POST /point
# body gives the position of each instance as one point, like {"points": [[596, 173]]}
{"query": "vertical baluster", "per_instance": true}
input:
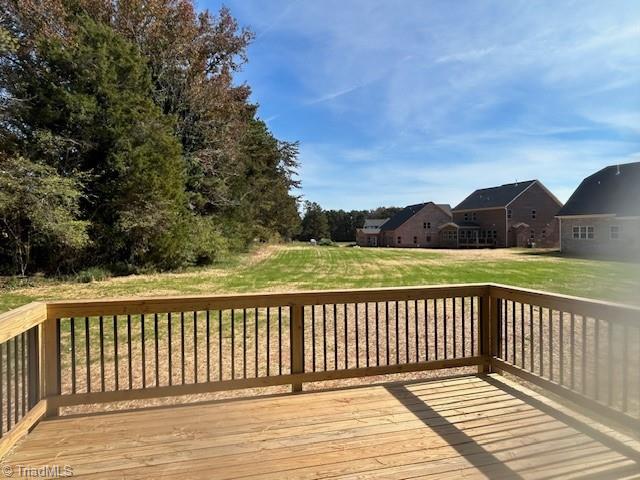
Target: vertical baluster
{"points": [[406, 332], [596, 354], [357, 336], [256, 343], [426, 330], [498, 340], [143, 345], [366, 330], [313, 337], [208, 343], [444, 327], [572, 333], [182, 356], [346, 336], [522, 335], [156, 348], [268, 340], [16, 381], [324, 335], [129, 357], [279, 340], [435, 327], [583, 358], [23, 372], [397, 334], [415, 315], [561, 346], [609, 362], [625, 367], [454, 333], [8, 344], [244, 343], [233, 344], [464, 330], [550, 343], [386, 317], [72, 331], [531, 366], [514, 358], [87, 353], [505, 313], [220, 342], [170, 348], [541, 341], [335, 336], [472, 321], [195, 347], [102, 379], [377, 336]]}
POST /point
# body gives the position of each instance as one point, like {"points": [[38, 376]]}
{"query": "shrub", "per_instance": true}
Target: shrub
{"points": [[92, 274], [326, 242]]}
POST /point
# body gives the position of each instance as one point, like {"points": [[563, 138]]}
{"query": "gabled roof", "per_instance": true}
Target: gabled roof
{"points": [[372, 225], [407, 212], [612, 190], [494, 197]]}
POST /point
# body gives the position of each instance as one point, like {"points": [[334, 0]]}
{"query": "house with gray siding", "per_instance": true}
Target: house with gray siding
{"points": [[602, 217]]}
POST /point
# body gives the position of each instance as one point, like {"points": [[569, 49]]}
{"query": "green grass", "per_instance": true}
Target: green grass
{"points": [[301, 267]]}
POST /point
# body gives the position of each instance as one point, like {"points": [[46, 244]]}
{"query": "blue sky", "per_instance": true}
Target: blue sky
{"points": [[399, 102]]}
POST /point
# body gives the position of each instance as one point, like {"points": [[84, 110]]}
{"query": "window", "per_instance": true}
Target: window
{"points": [[509, 213], [450, 235], [399, 240], [473, 216], [532, 235], [415, 240], [614, 232], [544, 234], [466, 217], [424, 225], [428, 224], [533, 214], [583, 233]]}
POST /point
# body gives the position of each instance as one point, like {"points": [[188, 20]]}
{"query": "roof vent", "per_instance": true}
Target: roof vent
{"points": [[618, 169]]}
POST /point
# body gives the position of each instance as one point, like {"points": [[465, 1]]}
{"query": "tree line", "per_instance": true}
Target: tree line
{"points": [[337, 225], [126, 143]]}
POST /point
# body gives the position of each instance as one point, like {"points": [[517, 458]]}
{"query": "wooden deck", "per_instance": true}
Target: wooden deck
{"points": [[470, 427]]}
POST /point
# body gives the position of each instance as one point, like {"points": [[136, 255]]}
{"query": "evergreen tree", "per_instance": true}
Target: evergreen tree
{"points": [[314, 223]]}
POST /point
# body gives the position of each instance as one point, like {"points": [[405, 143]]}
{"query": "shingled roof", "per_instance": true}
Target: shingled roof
{"points": [[494, 197], [407, 212], [612, 190]]}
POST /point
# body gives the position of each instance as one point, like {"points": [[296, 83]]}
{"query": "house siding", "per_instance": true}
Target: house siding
{"points": [[414, 227], [627, 246], [546, 207]]}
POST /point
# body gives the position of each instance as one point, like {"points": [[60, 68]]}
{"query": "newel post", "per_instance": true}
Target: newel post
{"points": [[297, 343], [49, 375], [488, 331]]}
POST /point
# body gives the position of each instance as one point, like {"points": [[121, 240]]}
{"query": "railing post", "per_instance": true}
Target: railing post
{"points": [[297, 343], [488, 330], [49, 364]]}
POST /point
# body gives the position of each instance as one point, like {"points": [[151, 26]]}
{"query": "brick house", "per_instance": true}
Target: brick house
{"points": [[369, 234], [512, 215], [415, 226], [602, 217]]}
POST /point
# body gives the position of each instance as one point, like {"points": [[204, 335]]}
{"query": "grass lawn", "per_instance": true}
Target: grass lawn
{"points": [[301, 267]]}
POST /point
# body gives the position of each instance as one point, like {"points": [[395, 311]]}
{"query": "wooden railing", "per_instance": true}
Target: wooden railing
{"points": [[71, 353]]}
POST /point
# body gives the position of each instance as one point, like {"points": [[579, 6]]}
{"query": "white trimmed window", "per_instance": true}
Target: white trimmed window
{"points": [[614, 232], [583, 233], [466, 217], [473, 216], [399, 240], [509, 213]]}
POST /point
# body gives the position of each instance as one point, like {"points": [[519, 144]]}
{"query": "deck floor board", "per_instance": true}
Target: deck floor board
{"points": [[469, 427]]}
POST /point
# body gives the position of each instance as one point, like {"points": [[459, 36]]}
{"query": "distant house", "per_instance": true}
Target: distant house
{"points": [[369, 234], [512, 215], [415, 226], [602, 217]]}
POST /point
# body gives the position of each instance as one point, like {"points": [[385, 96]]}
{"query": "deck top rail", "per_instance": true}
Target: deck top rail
{"points": [[74, 352]]}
